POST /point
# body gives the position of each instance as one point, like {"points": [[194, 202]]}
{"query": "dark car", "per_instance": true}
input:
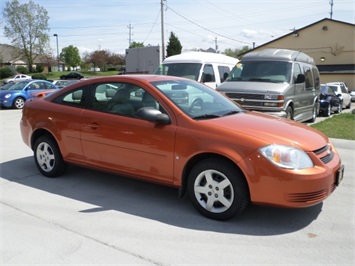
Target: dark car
{"points": [[72, 75], [329, 101]]}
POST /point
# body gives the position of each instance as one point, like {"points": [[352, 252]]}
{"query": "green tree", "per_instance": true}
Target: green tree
{"points": [[26, 25], [236, 52], [174, 46], [136, 45], [70, 55]]}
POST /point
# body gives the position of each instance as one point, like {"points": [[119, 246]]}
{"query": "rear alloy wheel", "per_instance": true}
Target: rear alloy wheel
{"points": [[48, 158], [19, 103], [328, 111], [340, 108], [217, 189]]}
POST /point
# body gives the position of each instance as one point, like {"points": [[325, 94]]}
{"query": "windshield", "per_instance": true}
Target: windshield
{"points": [[196, 100], [7, 86], [18, 86], [262, 71], [185, 70]]}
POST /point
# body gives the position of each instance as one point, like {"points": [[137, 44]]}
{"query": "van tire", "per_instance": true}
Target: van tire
{"points": [[289, 113]]}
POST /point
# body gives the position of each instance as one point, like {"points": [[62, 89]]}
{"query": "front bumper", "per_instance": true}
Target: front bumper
{"points": [[276, 186]]}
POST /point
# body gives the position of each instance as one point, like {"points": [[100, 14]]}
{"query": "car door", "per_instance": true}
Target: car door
{"points": [[306, 96], [126, 144]]}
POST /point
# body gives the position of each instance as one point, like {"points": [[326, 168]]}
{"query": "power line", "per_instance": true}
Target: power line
{"points": [[206, 28]]}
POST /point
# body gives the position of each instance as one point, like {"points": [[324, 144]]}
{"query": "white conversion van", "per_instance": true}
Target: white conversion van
{"points": [[280, 82], [209, 68]]}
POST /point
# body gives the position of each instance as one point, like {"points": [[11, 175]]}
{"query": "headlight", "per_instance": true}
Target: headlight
{"points": [[7, 96], [287, 156]]}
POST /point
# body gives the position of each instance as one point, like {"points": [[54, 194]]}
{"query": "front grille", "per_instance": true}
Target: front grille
{"points": [[247, 96], [326, 159], [325, 154], [307, 197]]}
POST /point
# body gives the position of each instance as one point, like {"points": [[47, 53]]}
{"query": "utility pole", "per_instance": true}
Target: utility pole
{"points": [[129, 34], [216, 45], [331, 8], [162, 31]]}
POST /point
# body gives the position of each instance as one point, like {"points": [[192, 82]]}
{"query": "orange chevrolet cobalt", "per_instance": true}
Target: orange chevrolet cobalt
{"points": [[180, 133]]}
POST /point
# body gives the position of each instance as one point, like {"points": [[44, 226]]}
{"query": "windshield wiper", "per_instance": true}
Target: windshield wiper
{"points": [[231, 113], [259, 79], [206, 116]]}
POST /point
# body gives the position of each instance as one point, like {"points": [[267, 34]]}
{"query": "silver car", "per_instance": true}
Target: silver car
{"points": [[341, 89], [352, 94]]}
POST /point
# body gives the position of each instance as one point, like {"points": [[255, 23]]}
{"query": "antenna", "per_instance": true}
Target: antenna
{"points": [[331, 9], [130, 34]]}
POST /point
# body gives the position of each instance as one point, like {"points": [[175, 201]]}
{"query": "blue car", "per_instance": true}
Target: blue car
{"points": [[14, 95]]}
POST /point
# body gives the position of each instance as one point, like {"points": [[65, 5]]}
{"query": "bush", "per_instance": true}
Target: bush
{"points": [[39, 68], [39, 76], [22, 70], [5, 72]]}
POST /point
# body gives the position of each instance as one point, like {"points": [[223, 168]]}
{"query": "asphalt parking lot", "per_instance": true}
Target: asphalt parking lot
{"points": [[92, 218]]}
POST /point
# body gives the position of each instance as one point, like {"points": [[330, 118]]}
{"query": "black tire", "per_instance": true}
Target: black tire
{"points": [[48, 158], [18, 103], [349, 105], [289, 113], [217, 189], [314, 114]]}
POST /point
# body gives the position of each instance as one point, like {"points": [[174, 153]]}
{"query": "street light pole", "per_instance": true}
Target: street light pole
{"points": [[56, 36]]}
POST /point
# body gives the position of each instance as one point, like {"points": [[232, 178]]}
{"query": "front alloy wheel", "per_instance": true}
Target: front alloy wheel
{"points": [[19, 103], [217, 189], [48, 158]]}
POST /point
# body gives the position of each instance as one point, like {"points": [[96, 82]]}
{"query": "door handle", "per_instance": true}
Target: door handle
{"points": [[92, 125]]}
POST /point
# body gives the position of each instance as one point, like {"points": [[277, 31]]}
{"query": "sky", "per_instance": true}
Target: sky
{"points": [[198, 24]]}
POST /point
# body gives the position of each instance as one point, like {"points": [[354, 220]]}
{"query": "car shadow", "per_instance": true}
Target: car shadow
{"points": [[155, 202]]}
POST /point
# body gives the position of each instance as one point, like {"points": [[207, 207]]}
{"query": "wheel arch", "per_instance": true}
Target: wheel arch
{"points": [[200, 157], [41, 132]]}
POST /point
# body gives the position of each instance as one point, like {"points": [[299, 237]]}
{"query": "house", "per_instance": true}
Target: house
{"points": [[12, 57], [331, 43]]}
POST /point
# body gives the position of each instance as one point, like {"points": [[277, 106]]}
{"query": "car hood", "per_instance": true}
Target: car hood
{"points": [[251, 86], [2, 93], [269, 129]]}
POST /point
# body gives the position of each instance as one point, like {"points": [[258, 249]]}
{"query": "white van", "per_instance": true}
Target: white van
{"points": [[280, 82], [209, 68]]}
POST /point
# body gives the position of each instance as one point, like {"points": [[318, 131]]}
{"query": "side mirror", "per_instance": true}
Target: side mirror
{"points": [[153, 115], [300, 78]]}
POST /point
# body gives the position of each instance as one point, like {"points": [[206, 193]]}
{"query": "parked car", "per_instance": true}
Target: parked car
{"points": [[72, 75], [352, 94], [279, 82], [14, 95], [341, 89], [17, 78], [329, 101], [219, 154]]}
